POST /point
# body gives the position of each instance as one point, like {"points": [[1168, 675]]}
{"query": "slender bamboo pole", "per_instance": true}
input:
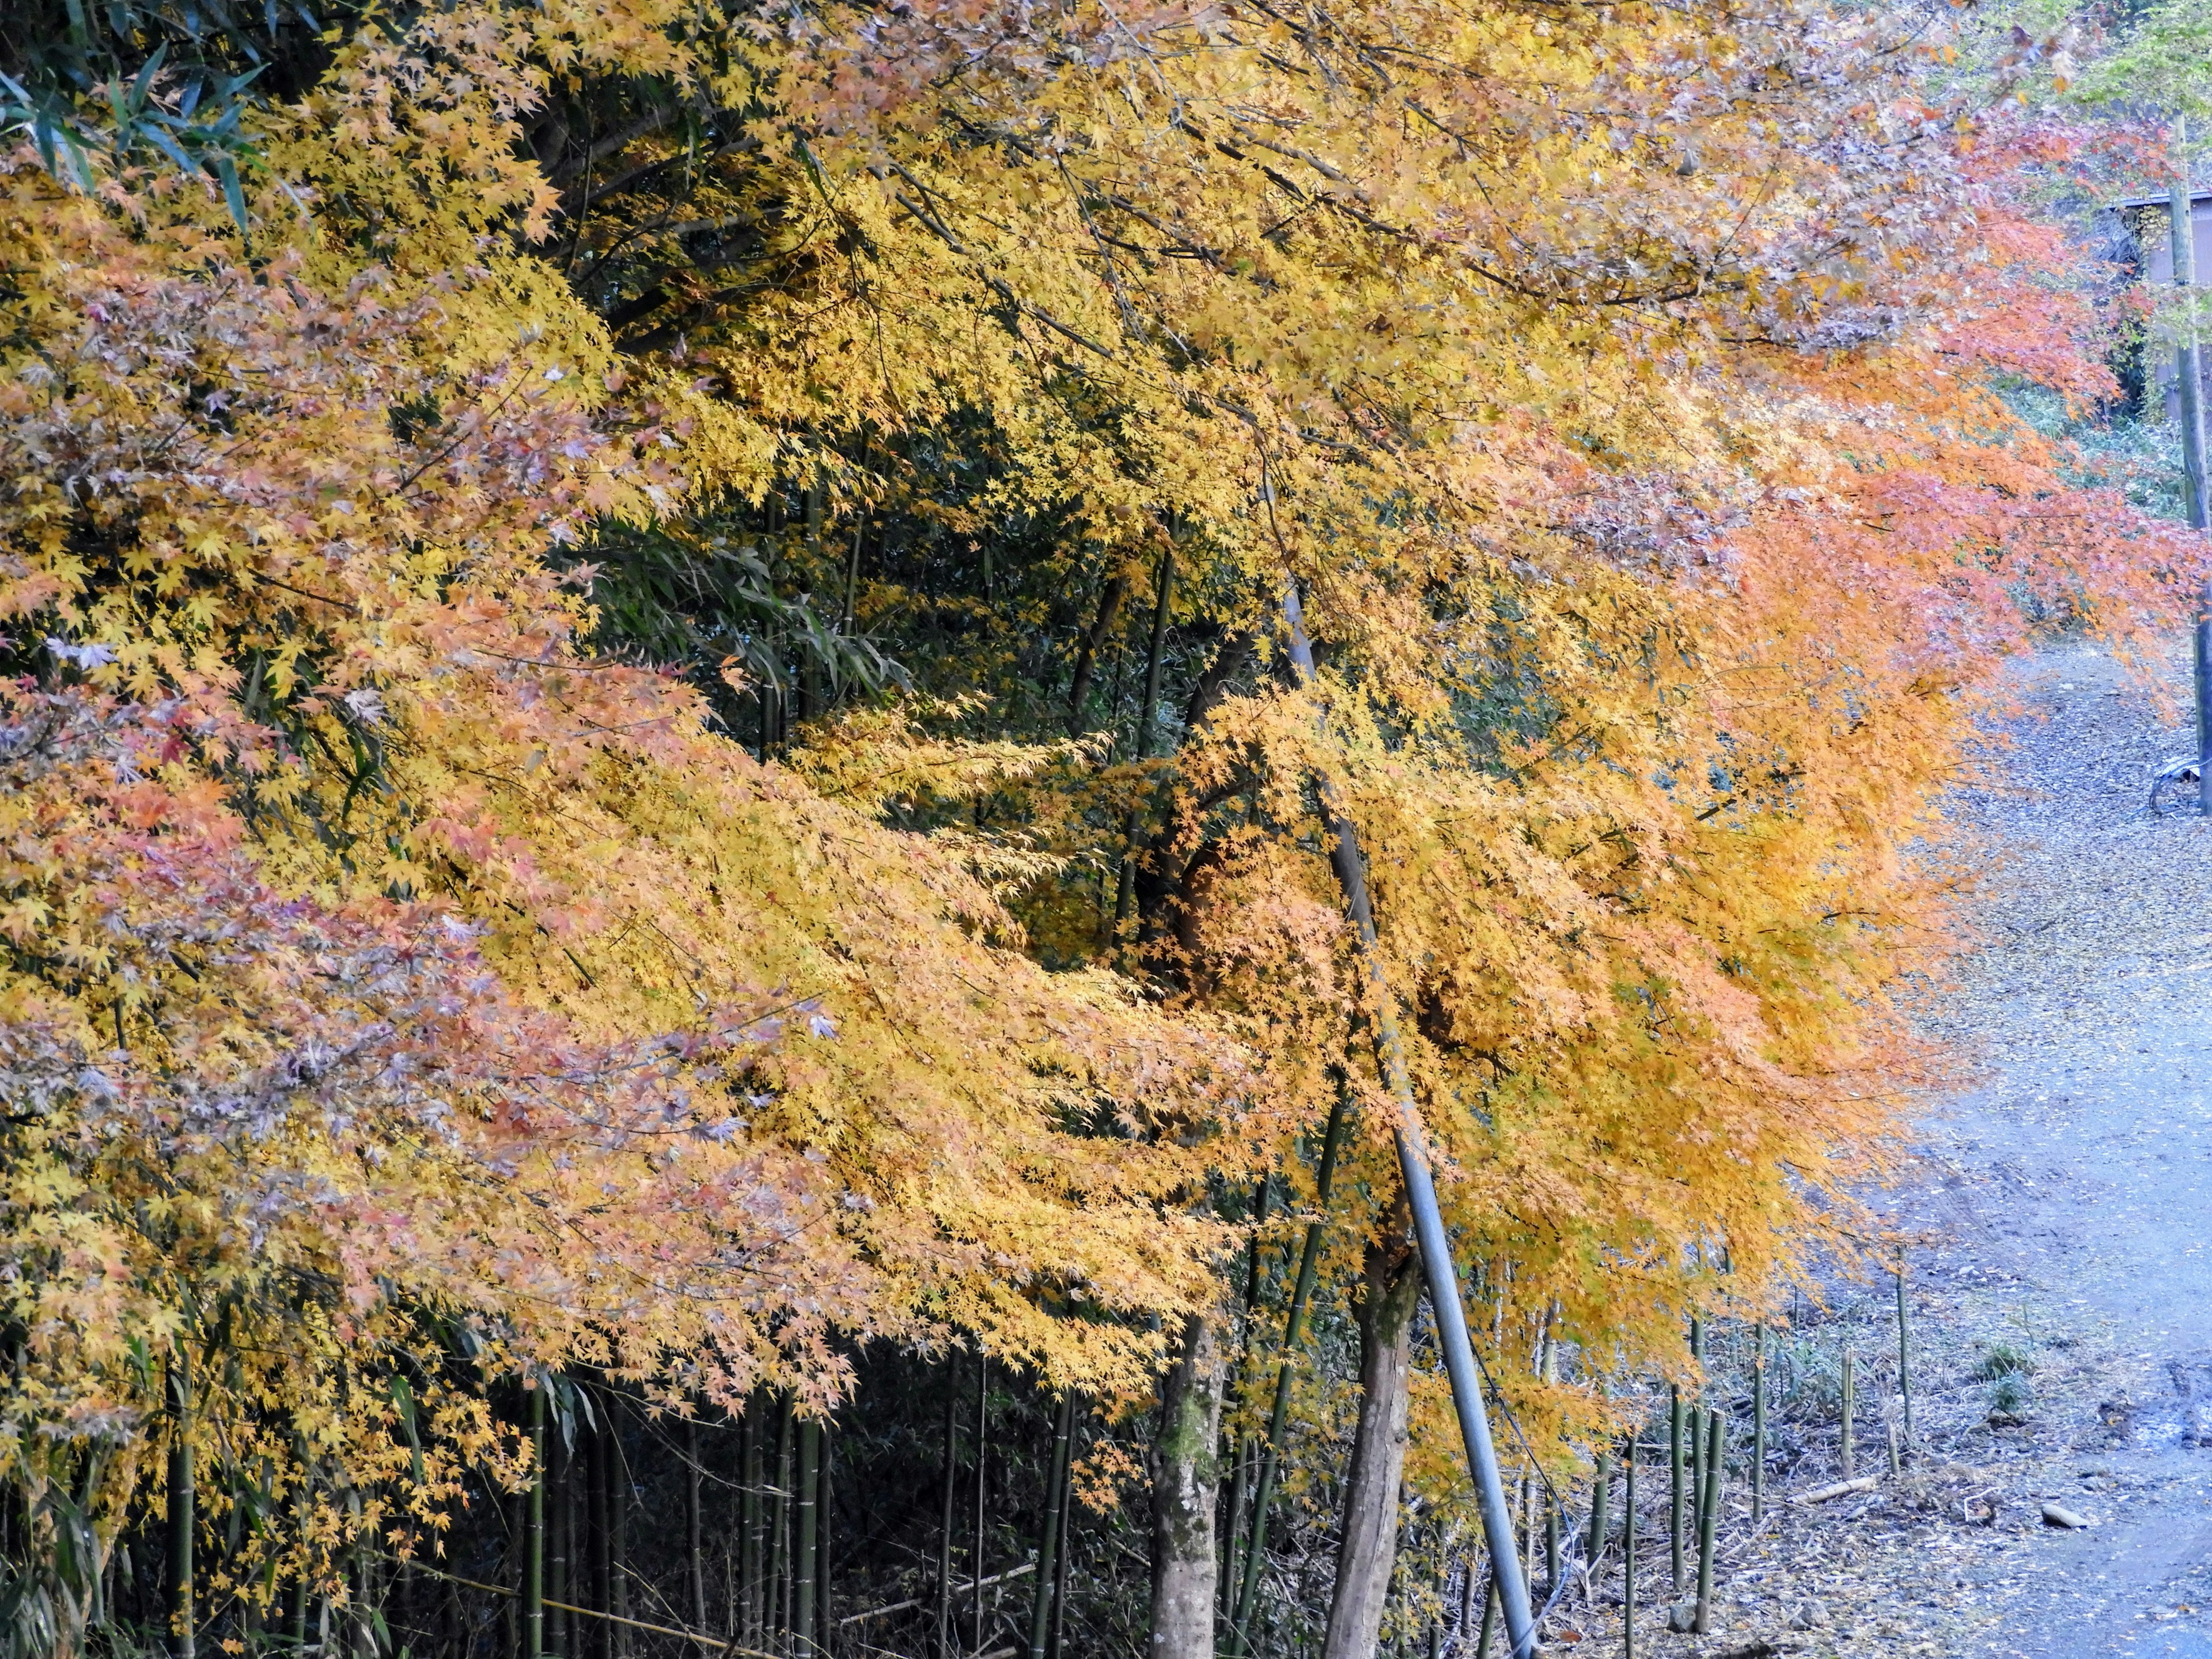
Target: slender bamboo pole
{"points": [[749, 1513], [1903, 1351], [1063, 1429], [1697, 1440], [825, 1514], [1850, 1411], [945, 1530], [1709, 1515], [184, 1508], [802, 1575], [1628, 1522], [1758, 1422], [1060, 1574], [1600, 1500], [695, 1525], [621, 1490], [533, 1549], [1489, 1620], [1675, 1480], [1232, 1529], [1445, 1304], [566, 1578], [779, 1541], [982, 1407], [1255, 1552]]}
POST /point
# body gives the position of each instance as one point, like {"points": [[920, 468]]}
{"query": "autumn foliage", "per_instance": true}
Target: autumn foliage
{"points": [[423, 980]]}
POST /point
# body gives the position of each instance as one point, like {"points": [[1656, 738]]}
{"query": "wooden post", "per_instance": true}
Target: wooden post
{"points": [[2181, 231]]}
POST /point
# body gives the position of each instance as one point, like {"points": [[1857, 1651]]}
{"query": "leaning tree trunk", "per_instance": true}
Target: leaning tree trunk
{"points": [[1187, 1471], [1393, 1294]]}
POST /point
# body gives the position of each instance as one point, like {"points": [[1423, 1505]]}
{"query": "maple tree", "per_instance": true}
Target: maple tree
{"points": [[454, 550]]}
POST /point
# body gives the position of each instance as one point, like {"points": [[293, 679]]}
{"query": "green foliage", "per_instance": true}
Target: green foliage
{"points": [[2002, 1359]]}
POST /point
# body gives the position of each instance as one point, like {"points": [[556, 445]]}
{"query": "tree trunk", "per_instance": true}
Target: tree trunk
{"points": [[1186, 1469], [1393, 1294], [1109, 609]]}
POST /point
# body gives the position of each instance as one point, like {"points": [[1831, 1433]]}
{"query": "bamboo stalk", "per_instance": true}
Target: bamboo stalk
{"points": [[805, 1567], [824, 1514], [982, 1407], [184, 1508], [1059, 1566], [1232, 1529], [1758, 1423], [533, 1549], [693, 1521], [1675, 1480], [563, 1571], [1904, 1349], [1048, 1543], [779, 1537], [1697, 1440], [1849, 1403], [1709, 1513], [1601, 1497], [944, 1532], [749, 1512], [596, 1564], [1628, 1558], [1489, 1620], [1255, 1552], [620, 1491]]}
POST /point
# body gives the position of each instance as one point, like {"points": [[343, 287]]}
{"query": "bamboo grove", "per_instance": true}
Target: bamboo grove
{"points": [[669, 946]]}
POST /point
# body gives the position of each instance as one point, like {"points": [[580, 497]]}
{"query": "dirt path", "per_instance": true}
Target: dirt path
{"points": [[2066, 1206], [2076, 1184]]}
